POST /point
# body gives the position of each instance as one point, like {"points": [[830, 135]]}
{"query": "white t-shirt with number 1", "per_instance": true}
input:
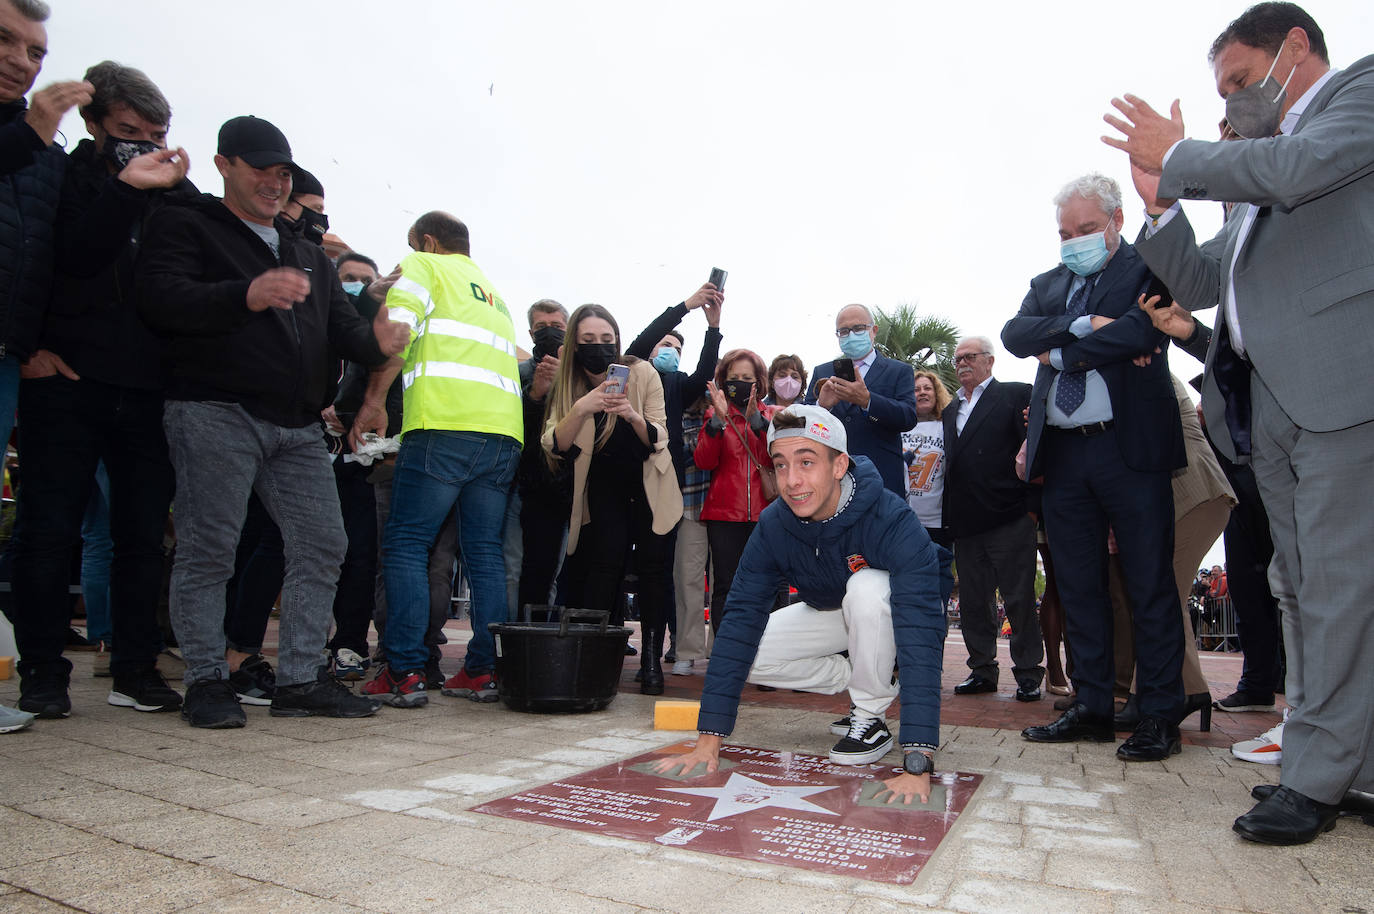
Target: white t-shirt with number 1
{"points": [[923, 449]]}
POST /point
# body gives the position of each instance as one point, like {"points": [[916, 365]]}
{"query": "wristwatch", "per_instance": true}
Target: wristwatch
{"points": [[917, 762]]}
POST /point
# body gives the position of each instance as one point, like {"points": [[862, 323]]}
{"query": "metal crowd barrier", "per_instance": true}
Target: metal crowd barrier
{"points": [[1214, 622]]}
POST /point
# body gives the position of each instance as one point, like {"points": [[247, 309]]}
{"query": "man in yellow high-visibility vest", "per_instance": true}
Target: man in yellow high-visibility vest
{"points": [[460, 444]]}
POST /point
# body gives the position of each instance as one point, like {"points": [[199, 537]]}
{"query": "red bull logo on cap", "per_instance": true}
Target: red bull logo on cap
{"points": [[820, 430]]}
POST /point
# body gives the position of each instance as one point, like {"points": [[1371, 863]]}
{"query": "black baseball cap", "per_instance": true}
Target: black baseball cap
{"points": [[303, 182], [256, 141]]}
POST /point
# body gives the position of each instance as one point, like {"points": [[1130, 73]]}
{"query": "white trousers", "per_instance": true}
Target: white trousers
{"points": [[800, 648]]}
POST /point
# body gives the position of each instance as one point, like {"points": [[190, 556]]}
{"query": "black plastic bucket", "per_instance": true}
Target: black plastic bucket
{"points": [[559, 665]]}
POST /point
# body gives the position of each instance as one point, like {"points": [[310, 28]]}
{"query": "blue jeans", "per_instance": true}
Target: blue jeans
{"points": [[436, 470], [9, 396], [97, 554]]}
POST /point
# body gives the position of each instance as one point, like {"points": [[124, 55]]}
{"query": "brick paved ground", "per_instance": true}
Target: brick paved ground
{"points": [[117, 811]]}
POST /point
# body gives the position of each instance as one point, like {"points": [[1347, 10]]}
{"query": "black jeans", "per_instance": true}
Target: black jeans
{"points": [[544, 531], [69, 426], [596, 572], [355, 599], [726, 539]]}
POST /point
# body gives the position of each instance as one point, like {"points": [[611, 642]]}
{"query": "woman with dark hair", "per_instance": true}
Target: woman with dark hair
{"points": [[733, 448], [786, 381], [624, 487]]}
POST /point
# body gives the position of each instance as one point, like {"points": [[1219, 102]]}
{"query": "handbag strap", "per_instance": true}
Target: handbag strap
{"points": [[747, 450]]}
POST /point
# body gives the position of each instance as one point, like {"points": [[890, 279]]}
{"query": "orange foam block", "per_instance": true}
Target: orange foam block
{"points": [[6, 667], [676, 714]]}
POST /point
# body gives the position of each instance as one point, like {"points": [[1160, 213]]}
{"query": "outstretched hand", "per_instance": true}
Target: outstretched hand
{"points": [[1149, 134], [161, 169], [906, 786], [706, 750]]}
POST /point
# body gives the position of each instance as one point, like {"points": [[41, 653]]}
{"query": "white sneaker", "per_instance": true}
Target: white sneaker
{"points": [[682, 668], [1265, 749], [12, 719]]}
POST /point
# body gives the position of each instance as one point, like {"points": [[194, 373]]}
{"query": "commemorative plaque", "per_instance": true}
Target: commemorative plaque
{"points": [[775, 807]]}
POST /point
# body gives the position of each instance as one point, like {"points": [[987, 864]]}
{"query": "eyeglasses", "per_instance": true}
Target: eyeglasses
{"points": [[843, 332], [969, 357]]}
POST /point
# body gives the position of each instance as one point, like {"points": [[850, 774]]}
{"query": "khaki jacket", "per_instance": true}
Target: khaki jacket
{"points": [[645, 392], [1202, 480]]}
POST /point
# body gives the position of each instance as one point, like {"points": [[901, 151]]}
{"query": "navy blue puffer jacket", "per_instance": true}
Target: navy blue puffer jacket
{"points": [[877, 529], [30, 187]]}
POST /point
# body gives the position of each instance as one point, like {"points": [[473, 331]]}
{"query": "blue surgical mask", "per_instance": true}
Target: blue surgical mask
{"points": [[354, 287], [666, 359], [856, 345], [1086, 254]]}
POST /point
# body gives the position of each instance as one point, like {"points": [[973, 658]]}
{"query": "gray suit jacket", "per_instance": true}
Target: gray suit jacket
{"points": [[1305, 277]]}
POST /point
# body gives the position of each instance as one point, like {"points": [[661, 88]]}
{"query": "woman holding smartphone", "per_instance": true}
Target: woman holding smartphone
{"points": [[609, 433], [733, 448]]}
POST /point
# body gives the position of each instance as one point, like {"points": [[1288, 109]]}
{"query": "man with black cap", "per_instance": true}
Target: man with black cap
{"points": [[255, 320], [304, 211]]}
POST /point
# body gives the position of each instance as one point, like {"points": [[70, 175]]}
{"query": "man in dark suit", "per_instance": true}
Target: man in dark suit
{"points": [[878, 405], [1105, 433], [985, 509]]}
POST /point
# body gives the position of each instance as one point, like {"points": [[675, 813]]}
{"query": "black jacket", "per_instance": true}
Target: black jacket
{"points": [[982, 491], [30, 186], [680, 389], [192, 286], [91, 322]]}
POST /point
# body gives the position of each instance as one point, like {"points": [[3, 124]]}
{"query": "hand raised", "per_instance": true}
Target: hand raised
{"points": [[392, 336], [279, 287], [164, 168], [1175, 320], [718, 401], [544, 374], [49, 104], [1149, 134], [706, 295], [377, 289]]}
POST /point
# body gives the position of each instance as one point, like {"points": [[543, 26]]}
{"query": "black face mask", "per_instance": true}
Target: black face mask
{"points": [[311, 225], [546, 341], [122, 152], [737, 393], [595, 358]]}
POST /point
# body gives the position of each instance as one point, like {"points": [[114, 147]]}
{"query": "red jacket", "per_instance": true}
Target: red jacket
{"points": [[736, 493]]}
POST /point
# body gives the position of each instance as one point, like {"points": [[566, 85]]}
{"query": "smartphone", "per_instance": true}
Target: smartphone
{"points": [[843, 369], [718, 278], [619, 376]]}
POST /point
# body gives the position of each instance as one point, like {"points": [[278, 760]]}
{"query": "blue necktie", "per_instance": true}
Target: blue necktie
{"points": [[1073, 385]]}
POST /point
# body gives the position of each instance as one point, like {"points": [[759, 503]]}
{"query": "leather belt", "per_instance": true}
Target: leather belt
{"points": [[1087, 431]]}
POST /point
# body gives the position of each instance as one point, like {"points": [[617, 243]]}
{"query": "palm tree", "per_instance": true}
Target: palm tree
{"points": [[924, 343]]}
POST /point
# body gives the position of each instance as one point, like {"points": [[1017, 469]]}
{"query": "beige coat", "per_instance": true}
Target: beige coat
{"points": [[1202, 480], [645, 392]]}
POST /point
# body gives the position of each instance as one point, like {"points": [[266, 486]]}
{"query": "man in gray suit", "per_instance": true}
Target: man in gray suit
{"points": [[1289, 374]]}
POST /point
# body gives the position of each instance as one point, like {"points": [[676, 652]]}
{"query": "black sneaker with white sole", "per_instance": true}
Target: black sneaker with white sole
{"points": [[144, 691], [841, 727], [865, 743], [254, 682]]}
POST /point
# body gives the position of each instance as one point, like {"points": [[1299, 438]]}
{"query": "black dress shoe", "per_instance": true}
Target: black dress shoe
{"points": [[1154, 740], [1027, 693], [1286, 817], [975, 684], [1128, 718], [1354, 803], [1076, 724]]}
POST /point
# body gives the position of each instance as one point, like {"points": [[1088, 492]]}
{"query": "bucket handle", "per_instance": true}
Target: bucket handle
{"points": [[597, 615]]}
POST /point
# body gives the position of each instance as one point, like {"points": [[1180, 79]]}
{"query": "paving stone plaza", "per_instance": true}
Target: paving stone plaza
{"points": [[116, 811]]}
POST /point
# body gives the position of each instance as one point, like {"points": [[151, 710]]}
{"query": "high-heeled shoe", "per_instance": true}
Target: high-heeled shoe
{"points": [[1202, 701]]}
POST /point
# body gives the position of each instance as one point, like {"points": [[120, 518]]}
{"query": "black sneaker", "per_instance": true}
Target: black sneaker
{"points": [[45, 697], [1244, 701], [144, 691], [841, 727], [325, 697], [866, 742], [254, 682], [212, 704]]}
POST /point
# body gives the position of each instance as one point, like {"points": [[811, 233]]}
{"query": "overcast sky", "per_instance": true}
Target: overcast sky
{"points": [[822, 153]]}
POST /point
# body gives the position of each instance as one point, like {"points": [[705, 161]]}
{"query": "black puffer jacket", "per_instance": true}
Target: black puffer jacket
{"points": [[30, 186], [92, 323], [192, 282]]}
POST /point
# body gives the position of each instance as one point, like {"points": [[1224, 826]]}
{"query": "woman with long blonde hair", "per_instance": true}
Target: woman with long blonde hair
{"points": [[624, 488]]}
